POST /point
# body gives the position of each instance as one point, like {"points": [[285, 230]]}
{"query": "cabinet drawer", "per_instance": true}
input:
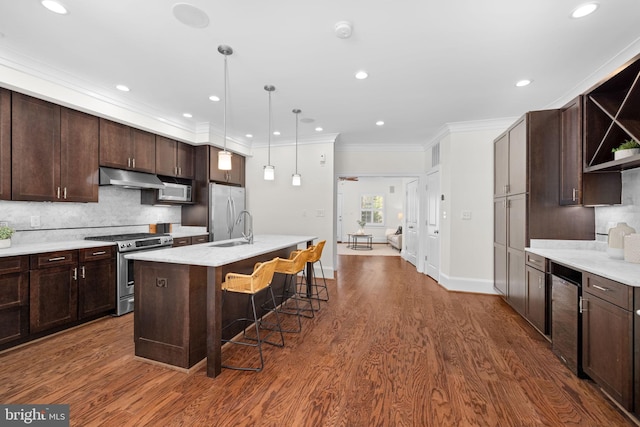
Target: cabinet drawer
{"points": [[95, 254], [608, 290], [181, 241], [200, 239], [51, 259], [536, 261], [14, 264]]}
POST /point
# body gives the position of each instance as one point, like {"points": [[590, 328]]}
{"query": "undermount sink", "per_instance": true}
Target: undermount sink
{"points": [[230, 244]]}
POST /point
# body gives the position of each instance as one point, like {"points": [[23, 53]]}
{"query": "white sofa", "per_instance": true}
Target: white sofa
{"points": [[395, 240]]}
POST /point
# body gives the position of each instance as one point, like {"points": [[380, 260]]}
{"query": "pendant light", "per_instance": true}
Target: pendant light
{"points": [[269, 170], [224, 156], [296, 179]]}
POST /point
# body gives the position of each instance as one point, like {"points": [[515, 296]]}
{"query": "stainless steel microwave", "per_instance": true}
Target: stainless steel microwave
{"points": [[175, 192]]}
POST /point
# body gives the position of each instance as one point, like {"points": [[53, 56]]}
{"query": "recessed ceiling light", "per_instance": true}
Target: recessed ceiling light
{"points": [[187, 115], [584, 10], [361, 75], [379, 123], [276, 133], [214, 98], [523, 83], [190, 15], [123, 88], [54, 7], [319, 129], [249, 135]]}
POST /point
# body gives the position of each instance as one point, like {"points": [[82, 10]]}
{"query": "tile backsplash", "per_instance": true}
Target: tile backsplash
{"points": [[628, 211], [118, 210]]}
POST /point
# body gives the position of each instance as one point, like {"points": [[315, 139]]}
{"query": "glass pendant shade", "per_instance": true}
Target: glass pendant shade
{"points": [[224, 160], [269, 173], [296, 180]]}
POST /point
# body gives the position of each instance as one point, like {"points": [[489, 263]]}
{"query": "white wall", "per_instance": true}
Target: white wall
{"points": [[628, 211], [280, 208], [466, 165]]}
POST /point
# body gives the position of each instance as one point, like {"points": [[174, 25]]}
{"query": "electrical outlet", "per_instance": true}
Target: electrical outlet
{"points": [[4, 223], [35, 221], [466, 215]]}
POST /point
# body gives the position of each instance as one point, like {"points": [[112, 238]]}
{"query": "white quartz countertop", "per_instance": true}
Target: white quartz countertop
{"points": [[594, 261], [211, 255], [38, 248]]}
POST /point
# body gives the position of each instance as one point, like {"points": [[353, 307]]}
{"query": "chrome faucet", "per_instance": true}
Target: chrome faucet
{"points": [[248, 237]]}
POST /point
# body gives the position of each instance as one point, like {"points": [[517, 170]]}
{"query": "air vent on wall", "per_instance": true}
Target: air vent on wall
{"points": [[435, 155]]}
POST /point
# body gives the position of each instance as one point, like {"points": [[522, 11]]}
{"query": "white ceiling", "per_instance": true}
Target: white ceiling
{"points": [[429, 63]]}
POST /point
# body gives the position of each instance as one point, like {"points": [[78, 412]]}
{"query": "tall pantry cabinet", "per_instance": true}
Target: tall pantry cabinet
{"points": [[527, 201]]}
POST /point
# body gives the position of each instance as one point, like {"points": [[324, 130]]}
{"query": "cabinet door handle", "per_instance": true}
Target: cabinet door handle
{"points": [[82, 272], [582, 305], [128, 162], [133, 163], [98, 253], [64, 193], [58, 193], [574, 196], [59, 258], [75, 273], [539, 282], [600, 288], [179, 171]]}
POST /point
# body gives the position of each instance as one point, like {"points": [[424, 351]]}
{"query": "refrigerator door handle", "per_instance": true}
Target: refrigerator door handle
{"points": [[229, 214]]}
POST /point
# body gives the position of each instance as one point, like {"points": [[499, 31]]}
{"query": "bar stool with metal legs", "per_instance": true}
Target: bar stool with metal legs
{"points": [[251, 284], [292, 267], [315, 257]]}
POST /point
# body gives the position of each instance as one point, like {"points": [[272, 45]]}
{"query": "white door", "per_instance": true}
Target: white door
{"points": [[339, 223], [410, 234], [433, 221]]}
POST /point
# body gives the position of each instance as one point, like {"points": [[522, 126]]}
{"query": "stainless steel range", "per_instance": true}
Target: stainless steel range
{"points": [[124, 277]]}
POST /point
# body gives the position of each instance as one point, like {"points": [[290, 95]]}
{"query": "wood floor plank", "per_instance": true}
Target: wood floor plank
{"points": [[390, 348]]}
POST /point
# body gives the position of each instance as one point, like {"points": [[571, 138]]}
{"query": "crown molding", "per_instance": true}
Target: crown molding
{"points": [[471, 126], [324, 138]]}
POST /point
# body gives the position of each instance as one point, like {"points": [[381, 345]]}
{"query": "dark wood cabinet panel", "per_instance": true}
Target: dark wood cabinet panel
{"points": [[518, 157], [97, 281], [174, 158], [501, 165], [123, 147], [5, 144], [517, 221], [607, 347], [14, 298], [500, 268], [143, 151], [79, 140], [53, 297], [516, 286], [115, 145], [576, 187], [536, 290], [199, 239], [35, 149], [181, 241]]}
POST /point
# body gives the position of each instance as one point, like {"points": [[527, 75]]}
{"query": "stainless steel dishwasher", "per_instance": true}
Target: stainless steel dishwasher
{"points": [[566, 320]]}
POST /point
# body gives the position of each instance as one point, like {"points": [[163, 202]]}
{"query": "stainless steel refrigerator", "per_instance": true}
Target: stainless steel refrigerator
{"points": [[226, 204]]}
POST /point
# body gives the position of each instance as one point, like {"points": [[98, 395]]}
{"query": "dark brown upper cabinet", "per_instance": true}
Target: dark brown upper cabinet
{"points": [[54, 152], [5, 144], [235, 176], [576, 187], [174, 158], [124, 147]]}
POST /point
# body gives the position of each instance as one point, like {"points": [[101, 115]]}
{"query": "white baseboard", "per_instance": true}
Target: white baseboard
{"points": [[463, 284]]}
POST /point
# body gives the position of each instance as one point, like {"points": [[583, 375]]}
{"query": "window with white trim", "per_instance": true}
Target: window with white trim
{"points": [[372, 209]]}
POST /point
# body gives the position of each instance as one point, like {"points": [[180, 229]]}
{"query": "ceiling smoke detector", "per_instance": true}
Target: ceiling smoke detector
{"points": [[343, 29]]}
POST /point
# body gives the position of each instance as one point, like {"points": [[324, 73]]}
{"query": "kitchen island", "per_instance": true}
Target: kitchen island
{"points": [[177, 316]]}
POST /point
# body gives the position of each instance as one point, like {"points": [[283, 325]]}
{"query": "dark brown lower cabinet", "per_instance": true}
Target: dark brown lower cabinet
{"points": [[607, 337], [96, 282], [14, 298], [536, 305], [53, 290]]}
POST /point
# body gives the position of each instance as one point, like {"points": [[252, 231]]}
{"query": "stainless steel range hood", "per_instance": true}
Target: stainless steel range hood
{"points": [[129, 179]]}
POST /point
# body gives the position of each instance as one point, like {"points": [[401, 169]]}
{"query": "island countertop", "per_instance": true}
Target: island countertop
{"points": [[211, 254]]}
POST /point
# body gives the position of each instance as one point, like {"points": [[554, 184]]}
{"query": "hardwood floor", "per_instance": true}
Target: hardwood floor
{"points": [[391, 348]]}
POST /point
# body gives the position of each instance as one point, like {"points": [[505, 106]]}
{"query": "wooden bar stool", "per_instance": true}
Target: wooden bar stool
{"points": [[251, 284], [292, 267], [315, 257]]}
